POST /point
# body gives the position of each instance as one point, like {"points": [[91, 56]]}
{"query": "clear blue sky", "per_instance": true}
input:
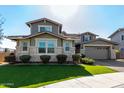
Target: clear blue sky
{"points": [[101, 20]]}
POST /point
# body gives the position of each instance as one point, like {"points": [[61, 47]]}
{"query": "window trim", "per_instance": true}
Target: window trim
{"points": [[70, 45], [40, 47], [44, 26], [46, 40], [22, 45], [86, 38], [122, 36]]}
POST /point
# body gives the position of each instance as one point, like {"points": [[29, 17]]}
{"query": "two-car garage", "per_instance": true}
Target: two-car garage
{"points": [[100, 49], [97, 52]]}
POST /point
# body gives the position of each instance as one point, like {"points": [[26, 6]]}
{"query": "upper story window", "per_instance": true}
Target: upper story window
{"points": [[46, 28], [86, 38], [122, 37]]}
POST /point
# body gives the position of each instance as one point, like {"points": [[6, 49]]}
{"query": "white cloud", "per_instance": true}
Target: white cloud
{"points": [[6, 43]]}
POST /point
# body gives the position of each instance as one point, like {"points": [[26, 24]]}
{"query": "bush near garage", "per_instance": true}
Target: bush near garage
{"points": [[76, 58], [87, 60]]}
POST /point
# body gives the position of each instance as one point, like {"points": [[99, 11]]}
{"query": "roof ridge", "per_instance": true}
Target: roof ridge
{"points": [[37, 20]]}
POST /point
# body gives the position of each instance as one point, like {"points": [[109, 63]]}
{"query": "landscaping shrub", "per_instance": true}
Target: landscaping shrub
{"points": [[45, 58], [83, 56], [10, 58], [87, 60], [61, 58], [25, 58], [117, 52], [76, 58], [12, 54]]}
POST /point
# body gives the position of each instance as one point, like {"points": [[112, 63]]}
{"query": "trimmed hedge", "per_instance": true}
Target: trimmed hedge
{"points": [[87, 60], [76, 58], [45, 58], [61, 58], [10, 58], [25, 58], [83, 56]]}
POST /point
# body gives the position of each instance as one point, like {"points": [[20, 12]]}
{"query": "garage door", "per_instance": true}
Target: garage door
{"points": [[97, 52]]}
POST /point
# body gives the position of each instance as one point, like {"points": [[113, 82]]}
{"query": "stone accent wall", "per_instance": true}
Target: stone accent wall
{"points": [[35, 57]]}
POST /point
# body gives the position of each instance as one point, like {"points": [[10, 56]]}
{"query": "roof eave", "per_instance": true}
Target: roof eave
{"points": [[115, 43], [30, 22], [14, 38], [90, 33]]}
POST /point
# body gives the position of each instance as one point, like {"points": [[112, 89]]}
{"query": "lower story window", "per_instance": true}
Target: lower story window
{"points": [[42, 47], [42, 50], [50, 45], [47, 46], [67, 46], [25, 46], [50, 50]]}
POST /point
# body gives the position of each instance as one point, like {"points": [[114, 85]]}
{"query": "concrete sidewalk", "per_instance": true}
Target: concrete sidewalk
{"points": [[3, 63], [111, 80]]}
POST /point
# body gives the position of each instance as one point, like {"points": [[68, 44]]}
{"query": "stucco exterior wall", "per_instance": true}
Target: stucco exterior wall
{"points": [[35, 56], [59, 40], [117, 38]]}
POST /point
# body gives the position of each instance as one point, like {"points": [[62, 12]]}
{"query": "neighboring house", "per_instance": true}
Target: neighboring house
{"points": [[46, 38], [118, 36]]}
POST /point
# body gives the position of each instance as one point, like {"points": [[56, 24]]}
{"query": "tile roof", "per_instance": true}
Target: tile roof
{"points": [[102, 39]]}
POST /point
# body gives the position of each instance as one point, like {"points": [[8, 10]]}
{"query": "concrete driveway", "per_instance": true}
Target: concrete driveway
{"points": [[116, 65], [111, 80]]}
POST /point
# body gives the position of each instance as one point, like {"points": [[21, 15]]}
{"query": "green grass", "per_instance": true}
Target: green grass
{"points": [[38, 75]]}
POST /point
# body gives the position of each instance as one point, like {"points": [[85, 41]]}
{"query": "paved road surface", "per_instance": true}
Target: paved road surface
{"points": [[111, 80]]}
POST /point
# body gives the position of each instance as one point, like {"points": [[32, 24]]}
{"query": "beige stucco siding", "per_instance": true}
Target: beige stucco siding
{"points": [[117, 38], [48, 36]]}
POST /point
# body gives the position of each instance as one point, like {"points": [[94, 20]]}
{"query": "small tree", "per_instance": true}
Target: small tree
{"points": [[2, 20]]}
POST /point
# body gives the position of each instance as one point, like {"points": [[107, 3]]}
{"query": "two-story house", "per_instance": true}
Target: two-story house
{"points": [[118, 36], [46, 38]]}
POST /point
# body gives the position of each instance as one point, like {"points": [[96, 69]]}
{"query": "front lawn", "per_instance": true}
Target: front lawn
{"points": [[39, 75]]}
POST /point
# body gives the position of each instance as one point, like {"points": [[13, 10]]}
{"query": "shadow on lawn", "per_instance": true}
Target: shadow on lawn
{"points": [[38, 75]]}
